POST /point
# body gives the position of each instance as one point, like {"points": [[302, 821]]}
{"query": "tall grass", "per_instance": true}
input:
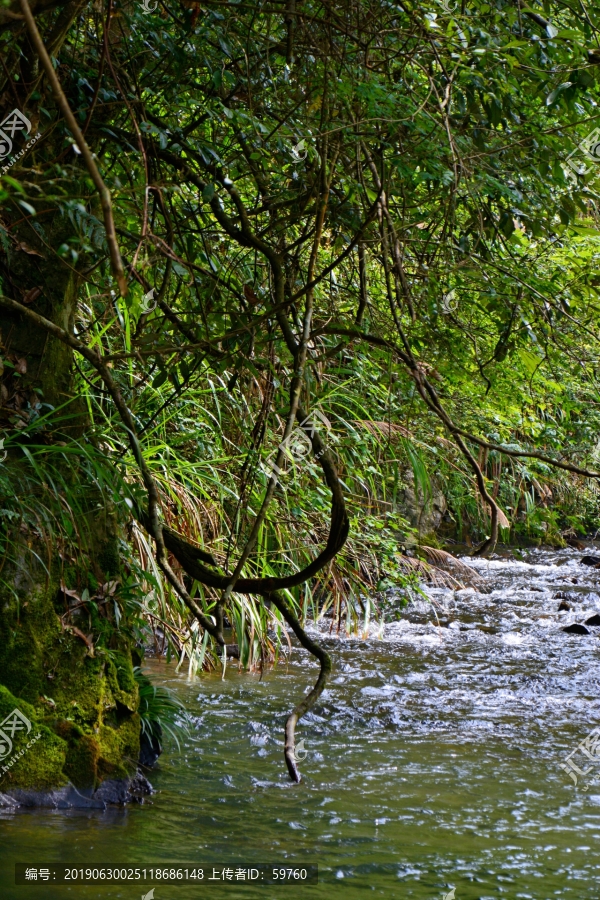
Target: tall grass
{"points": [[198, 440]]}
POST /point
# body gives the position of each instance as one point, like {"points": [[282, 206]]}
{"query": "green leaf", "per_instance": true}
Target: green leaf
{"points": [[160, 379], [14, 183], [27, 206], [553, 97], [530, 361]]}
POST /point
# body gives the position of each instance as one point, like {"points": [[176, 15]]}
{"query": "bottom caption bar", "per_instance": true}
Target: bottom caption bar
{"points": [[165, 874]]}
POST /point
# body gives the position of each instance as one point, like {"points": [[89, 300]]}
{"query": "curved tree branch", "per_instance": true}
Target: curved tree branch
{"points": [[430, 398], [152, 518], [310, 699], [189, 557]]}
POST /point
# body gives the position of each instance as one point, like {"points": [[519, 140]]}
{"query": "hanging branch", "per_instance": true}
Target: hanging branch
{"points": [[152, 519], [105, 198], [430, 397], [310, 699], [132, 116], [192, 558], [300, 350]]}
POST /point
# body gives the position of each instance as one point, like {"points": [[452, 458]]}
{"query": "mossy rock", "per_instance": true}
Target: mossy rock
{"points": [[37, 756], [79, 694], [83, 703], [120, 749], [119, 671]]}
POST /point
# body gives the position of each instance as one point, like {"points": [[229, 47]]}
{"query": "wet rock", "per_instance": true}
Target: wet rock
{"points": [[565, 595], [120, 792], [233, 651], [593, 620], [564, 605], [61, 798], [423, 513], [110, 793], [590, 561], [139, 788], [150, 746], [576, 628]]}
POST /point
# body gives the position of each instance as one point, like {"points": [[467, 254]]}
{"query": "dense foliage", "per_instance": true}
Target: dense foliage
{"points": [[365, 213]]}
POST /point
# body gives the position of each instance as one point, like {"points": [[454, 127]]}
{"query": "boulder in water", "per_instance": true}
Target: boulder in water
{"points": [[109, 793], [566, 595], [590, 561], [593, 620], [576, 628], [564, 605]]}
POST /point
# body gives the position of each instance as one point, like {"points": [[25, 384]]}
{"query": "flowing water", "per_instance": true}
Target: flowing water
{"points": [[433, 761]]}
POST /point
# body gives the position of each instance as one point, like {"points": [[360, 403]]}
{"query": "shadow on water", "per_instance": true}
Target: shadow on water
{"points": [[433, 761]]}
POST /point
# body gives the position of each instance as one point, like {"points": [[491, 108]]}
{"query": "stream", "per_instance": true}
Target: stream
{"points": [[432, 761]]}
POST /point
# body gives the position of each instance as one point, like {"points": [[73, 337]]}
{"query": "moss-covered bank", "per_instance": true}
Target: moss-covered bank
{"points": [[82, 699]]}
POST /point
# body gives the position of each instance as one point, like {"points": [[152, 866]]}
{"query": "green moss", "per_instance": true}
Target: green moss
{"points": [[37, 756], [81, 764], [120, 673], [120, 749], [24, 634], [108, 557], [8, 702], [83, 706]]}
